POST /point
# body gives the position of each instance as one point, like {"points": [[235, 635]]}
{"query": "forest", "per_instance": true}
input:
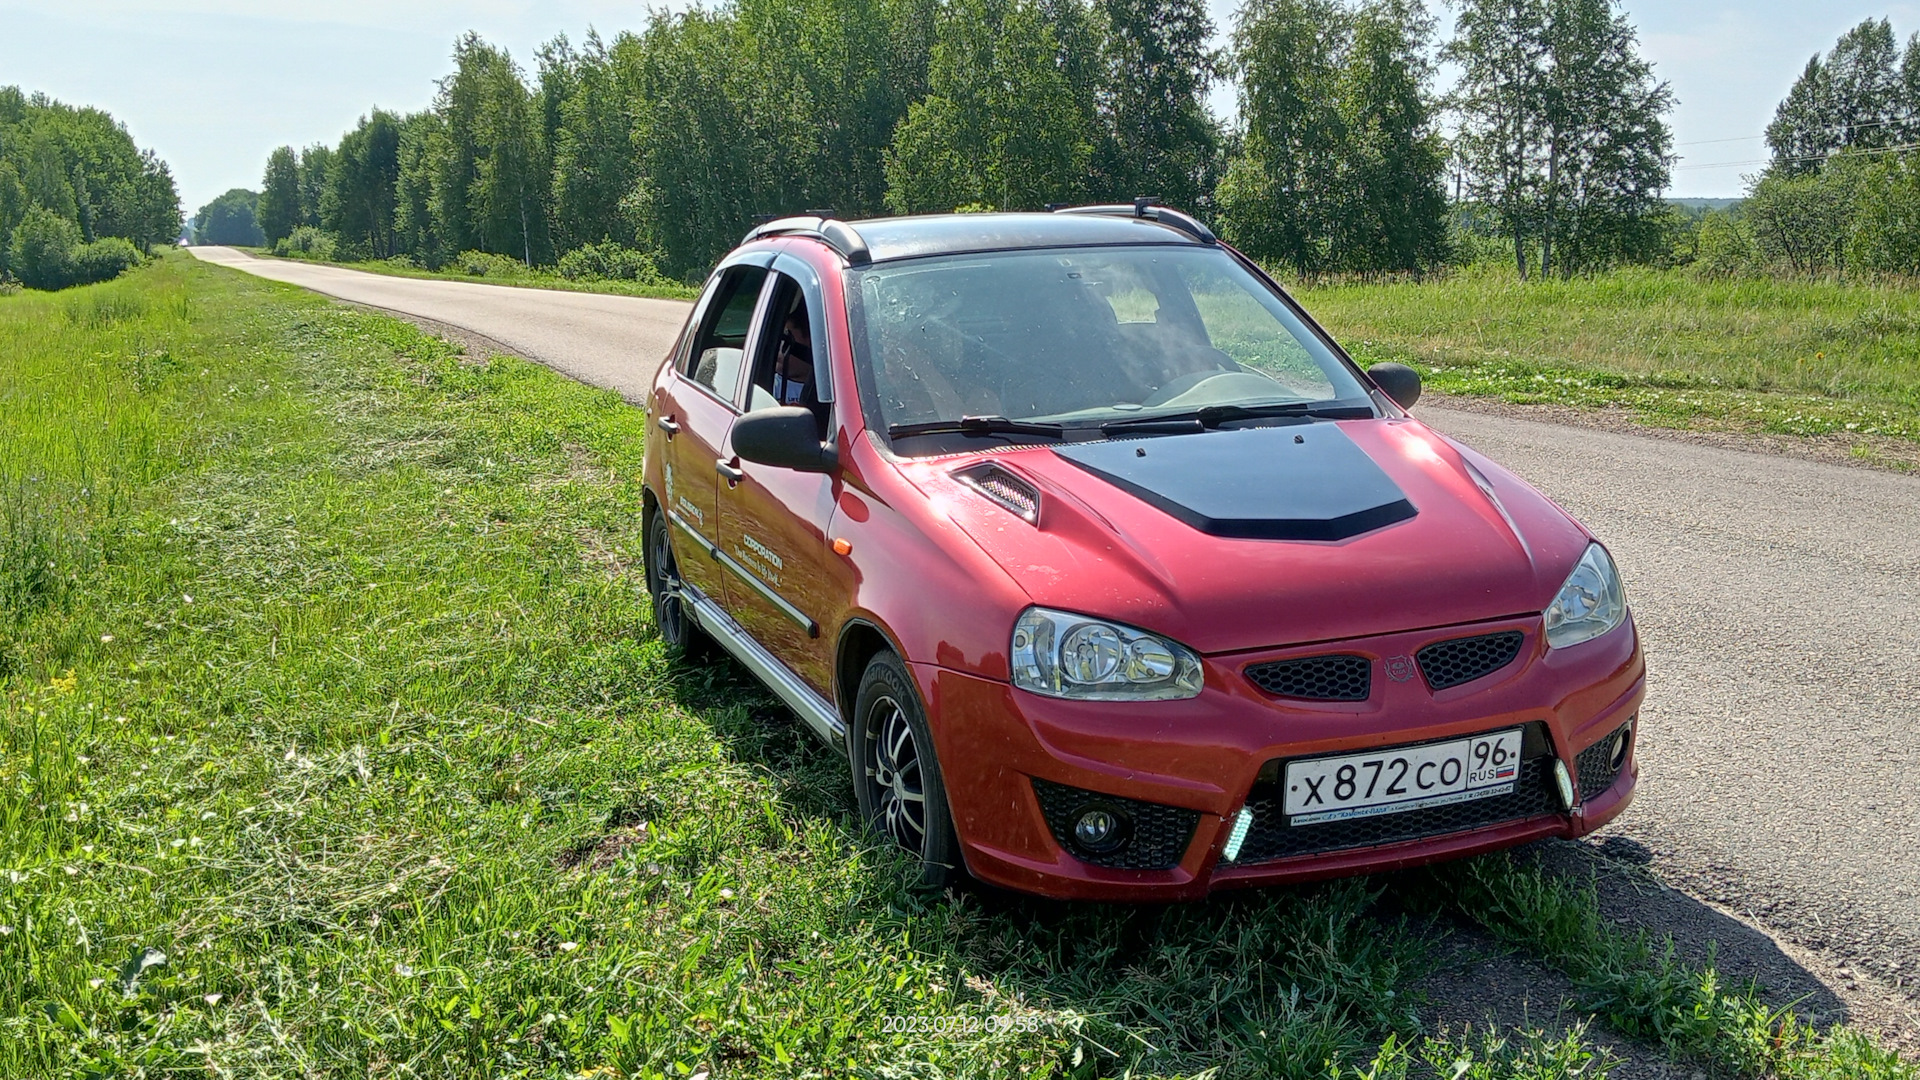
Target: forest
{"points": [[79, 202], [653, 152]]}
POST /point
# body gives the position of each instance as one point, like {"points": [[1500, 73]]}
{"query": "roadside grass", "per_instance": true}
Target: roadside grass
{"points": [[1791, 357], [1637, 987], [334, 741], [502, 270]]}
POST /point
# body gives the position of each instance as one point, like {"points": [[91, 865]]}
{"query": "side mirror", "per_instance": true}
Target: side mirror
{"points": [[1397, 381], [787, 437]]}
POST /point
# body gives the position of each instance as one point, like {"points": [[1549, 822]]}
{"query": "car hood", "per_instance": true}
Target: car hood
{"points": [[1264, 537]]}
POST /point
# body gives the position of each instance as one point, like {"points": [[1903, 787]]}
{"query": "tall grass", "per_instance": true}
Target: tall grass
{"points": [[1806, 357]]}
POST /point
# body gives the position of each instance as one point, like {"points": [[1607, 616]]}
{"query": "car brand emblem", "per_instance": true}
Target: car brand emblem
{"points": [[1399, 668]]}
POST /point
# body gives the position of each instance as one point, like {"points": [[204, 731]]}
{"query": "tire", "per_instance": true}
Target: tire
{"points": [[683, 637], [896, 776]]}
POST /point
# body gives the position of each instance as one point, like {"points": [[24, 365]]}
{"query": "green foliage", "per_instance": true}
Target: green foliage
{"points": [[229, 219], [1856, 98], [357, 206], [104, 260], [1723, 247], [278, 211], [1801, 221], [607, 262], [1001, 123], [1339, 168], [487, 264], [315, 162], [43, 249], [1564, 134], [308, 241], [1885, 230], [82, 166], [1158, 66]]}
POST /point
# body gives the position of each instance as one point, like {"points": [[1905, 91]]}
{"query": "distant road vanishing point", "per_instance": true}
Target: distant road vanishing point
{"points": [[1780, 743]]}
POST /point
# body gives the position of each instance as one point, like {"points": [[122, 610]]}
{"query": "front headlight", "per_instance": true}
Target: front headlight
{"points": [[1590, 603], [1060, 654]]}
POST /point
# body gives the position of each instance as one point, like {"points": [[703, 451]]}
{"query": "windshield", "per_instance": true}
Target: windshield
{"points": [[1080, 337]]}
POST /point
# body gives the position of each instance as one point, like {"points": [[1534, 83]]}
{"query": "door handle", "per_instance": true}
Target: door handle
{"points": [[732, 472], [668, 425]]}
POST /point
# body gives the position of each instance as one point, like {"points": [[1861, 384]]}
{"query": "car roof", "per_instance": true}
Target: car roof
{"points": [[886, 239]]}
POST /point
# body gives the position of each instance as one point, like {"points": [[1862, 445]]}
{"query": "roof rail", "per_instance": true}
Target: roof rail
{"points": [[837, 235], [1146, 208]]}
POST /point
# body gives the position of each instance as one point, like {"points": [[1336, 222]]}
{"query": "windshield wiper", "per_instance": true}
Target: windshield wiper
{"points": [[1212, 416], [977, 425]]}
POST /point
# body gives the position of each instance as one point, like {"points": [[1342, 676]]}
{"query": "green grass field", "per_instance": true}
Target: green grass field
{"points": [[1792, 357], [335, 742]]}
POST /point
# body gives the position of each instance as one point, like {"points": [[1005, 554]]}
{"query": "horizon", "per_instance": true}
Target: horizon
{"points": [[215, 121]]}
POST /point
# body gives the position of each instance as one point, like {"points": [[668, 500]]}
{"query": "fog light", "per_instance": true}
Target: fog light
{"points": [[1564, 781], [1100, 829], [1617, 753]]}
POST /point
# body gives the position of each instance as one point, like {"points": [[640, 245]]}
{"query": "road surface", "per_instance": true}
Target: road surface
{"points": [[1777, 598], [604, 340]]}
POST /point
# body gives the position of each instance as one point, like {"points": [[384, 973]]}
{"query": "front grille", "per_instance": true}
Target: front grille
{"points": [[1271, 837], [1594, 769], [1316, 678], [1158, 835], [1462, 660]]}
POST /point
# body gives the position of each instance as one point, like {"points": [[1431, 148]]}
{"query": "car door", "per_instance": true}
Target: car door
{"points": [[787, 583], [698, 410]]}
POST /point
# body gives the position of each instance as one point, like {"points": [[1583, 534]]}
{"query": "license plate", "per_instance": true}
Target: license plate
{"points": [[1398, 779]]}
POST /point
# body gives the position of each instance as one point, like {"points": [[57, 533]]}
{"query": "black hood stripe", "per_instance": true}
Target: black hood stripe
{"points": [[1294, 482]]}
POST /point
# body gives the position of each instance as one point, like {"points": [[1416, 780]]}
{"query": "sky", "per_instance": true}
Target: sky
{"points": [[214, 85]]}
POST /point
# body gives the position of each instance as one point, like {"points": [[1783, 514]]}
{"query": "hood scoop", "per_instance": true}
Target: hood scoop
{"points": [[1002, 486], [1296, 482]]}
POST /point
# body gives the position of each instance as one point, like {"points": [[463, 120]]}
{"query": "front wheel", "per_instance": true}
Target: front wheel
{"points": [[895, 774]]}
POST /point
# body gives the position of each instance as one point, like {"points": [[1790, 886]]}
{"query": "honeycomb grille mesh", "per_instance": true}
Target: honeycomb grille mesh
{"points": [[1272, 838], [1462, 660], [1594, 768], [1158, 838], [1316, 678], [1005, 488]]}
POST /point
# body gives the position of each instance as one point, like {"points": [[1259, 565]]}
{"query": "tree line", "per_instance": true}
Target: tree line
{"points": [[659, 148], [1841, 192], [79, 201]]}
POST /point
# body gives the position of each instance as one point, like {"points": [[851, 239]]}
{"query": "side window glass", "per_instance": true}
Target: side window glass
{"points": [[783, 367], [720, 347]]}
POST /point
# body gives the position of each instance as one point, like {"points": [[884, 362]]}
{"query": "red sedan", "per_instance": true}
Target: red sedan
{"points": [[1110, 573]]}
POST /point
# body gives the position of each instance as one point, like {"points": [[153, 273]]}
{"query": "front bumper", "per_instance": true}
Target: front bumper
{"points": [[1203, 759]]}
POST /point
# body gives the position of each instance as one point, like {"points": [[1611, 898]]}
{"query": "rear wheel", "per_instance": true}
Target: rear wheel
{"points": [[895, 774], [670, 614]]}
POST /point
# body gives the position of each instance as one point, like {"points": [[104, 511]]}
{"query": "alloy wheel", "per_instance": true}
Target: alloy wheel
{"points": [[663, 583], [893, 768]]}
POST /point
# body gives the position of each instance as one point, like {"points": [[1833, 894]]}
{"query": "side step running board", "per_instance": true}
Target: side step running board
{"points": [[819, 713]]}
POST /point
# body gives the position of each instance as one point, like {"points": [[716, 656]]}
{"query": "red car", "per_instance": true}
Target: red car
{"points": [[1110, 573]]}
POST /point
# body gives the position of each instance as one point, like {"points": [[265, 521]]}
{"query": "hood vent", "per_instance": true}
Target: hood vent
{"points": [[1003, 486]]}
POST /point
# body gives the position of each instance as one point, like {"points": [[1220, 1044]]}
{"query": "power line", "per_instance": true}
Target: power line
{"points": [[1869, 152]]}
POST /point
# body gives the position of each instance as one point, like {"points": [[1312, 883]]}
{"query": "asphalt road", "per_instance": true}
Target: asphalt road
{"points": [[1780, 744], [614, 341]]}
